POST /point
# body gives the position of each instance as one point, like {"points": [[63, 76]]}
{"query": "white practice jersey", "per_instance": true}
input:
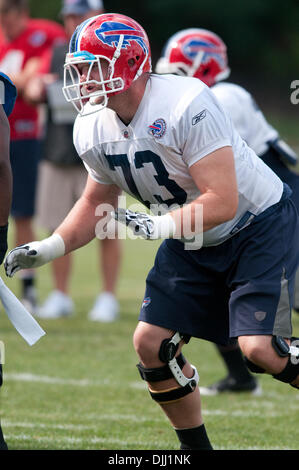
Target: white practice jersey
{"points": [[247, 118], [178, 122]]}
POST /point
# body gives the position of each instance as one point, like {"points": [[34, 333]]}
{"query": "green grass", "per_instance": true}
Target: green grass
{"points": [[78, 387]]}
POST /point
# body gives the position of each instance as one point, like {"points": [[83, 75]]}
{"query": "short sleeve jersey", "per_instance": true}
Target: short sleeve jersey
{"points": [[38, 37], [178, 122], [246, 116]]}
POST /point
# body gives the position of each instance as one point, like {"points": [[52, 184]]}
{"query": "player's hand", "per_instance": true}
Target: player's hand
{"points": [[34, 254], [146, 226]]}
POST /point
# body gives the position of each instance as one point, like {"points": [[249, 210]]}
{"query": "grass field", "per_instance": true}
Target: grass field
{"points": [[78, 387]]}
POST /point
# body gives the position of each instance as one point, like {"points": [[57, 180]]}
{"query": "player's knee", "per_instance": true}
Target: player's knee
{"points": [[164, 365], [253, 348], [146, 346], [273, 355]]}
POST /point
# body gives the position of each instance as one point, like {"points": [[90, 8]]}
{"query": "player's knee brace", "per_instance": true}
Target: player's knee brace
{"points": [[172, 369], [291, 370]]}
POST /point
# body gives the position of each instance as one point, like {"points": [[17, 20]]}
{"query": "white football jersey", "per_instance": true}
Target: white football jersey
{"points": [[247, 118], [178, 122]]}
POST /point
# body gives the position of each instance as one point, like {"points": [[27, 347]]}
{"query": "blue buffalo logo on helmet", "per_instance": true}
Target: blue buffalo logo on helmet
{"points": [[158, 128], [192, 47], [110, 31]]}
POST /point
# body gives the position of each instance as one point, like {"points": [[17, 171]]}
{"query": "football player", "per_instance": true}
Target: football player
{"points": [[202, 54], [166, 141], [8, 95]]}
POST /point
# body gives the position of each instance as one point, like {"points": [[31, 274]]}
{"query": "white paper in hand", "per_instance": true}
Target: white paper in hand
{"points": [[21, 319]]}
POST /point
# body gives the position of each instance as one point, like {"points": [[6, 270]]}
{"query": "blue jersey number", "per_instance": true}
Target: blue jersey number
{"points": [[162, 176]]}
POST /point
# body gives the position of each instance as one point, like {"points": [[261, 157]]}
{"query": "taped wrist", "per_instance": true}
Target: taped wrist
{"points": [[54, 246], [164, 227]]}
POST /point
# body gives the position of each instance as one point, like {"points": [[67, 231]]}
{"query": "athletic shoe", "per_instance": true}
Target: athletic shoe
{"points": [[105, 308], [29, 299], [56, 305], [229, 384]]}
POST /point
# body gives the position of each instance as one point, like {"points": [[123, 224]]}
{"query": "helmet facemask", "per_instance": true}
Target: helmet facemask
{"points": [[114, 38], [76, 91]]}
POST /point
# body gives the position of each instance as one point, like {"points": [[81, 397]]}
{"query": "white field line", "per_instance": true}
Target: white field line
{"points": [[66, 439], [257, 402], [138, 385], [28, 377], [96, 419], [97, 440]]}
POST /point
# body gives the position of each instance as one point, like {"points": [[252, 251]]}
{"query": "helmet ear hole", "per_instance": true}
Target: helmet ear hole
{"points": [[206, 71], [131, 62]]}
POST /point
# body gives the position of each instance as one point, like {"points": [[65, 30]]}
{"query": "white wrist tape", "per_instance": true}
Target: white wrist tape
{"points": [[54, 246], [164, 226]]}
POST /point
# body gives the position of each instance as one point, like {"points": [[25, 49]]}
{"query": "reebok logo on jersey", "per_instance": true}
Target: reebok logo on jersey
{"points": [[199, 117]]}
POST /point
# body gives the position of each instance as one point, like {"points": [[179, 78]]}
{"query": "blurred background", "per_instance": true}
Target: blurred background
{"points": [[262, 38]]}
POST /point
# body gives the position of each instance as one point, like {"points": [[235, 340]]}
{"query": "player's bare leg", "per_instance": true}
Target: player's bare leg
{"points": [[106, 306], [185, 413], [24, 233], [259, 350], [110, 262], [62, 272]]}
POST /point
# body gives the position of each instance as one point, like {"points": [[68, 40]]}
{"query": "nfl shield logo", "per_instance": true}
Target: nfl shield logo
{"points": [[146, 302]]}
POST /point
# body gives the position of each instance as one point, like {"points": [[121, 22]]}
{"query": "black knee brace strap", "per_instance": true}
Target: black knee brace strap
{"points": [[173, 369], [159, 373], [163, 373], [291, 370], [171, 395], [289, 373], [253, 367]]}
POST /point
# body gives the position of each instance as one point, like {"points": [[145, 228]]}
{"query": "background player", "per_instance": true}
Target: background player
{"points": [[62, 176], [166, 140], [202, 54], [8, 94], [23, 42]]}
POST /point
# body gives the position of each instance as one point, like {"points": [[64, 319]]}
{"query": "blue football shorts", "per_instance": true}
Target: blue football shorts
{"points": [[24, 158], [243, 286]]}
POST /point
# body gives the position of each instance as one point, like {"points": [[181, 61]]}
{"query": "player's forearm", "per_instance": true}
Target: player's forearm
{"points": [[21, 79], [78, 228], [204, 213]]}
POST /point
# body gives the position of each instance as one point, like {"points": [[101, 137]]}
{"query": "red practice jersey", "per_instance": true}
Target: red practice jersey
{"points": [[35, 42]]}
